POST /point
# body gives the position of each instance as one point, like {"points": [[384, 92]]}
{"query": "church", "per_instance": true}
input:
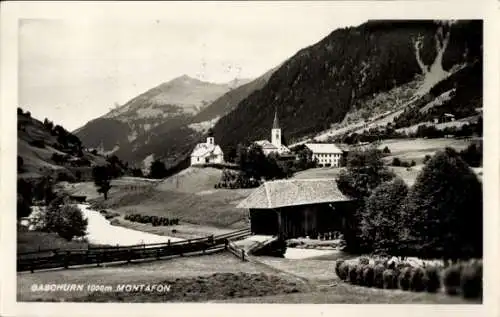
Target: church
{"points": [[275, 146], [208, 152]]}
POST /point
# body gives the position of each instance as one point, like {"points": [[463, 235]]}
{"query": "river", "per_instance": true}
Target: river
{"points": [[101, 231]]}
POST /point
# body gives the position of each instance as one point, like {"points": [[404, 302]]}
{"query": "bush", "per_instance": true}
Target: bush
{"points": [[404, 278], [386, 150], [364, 260], [343, 271], [368, 276], [353, 273], [378, 276], [359, 275], [390, 277], [418, 280], [452, 279], [471, 281], [396, 162], [338, 264], [433, 279], [427, 157], [38, 143]]}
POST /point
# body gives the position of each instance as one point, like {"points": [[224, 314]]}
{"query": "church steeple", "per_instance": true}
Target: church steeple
{"points": [[276, 124], [276, 131]]}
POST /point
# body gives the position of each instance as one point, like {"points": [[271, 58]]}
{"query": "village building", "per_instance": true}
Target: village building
{"points": [[326, 154], [207, 153], [298, 208], [447, 117], [275, 146]]}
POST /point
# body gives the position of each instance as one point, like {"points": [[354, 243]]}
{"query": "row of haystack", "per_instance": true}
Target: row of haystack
{"points": [[462, 278]]}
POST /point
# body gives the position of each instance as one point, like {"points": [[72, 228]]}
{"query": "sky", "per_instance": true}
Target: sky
{"points": [[74, 70]]}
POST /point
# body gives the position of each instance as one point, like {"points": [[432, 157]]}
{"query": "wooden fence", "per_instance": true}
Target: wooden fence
{"points": [[237, 252], [59, 258]]}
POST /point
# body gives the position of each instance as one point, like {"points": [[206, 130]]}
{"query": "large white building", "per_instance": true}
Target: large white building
{"points": [[205, 153], [275, 146], [326, 154]]}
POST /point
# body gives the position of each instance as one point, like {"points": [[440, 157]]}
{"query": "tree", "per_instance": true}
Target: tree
{"points": [[473, 155], [20, 163], [65, 220], [158, 169], [137, 172], [396, 161], [102, 179], [305, 158], [443, 213], [381, 219], [365, 171], [23, 207]]}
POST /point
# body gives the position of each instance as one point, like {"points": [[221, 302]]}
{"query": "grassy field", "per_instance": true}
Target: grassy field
{"points": [[183, 230], [221, 278], [34, 240], [417, 149], [189, 196], [341, 293], [153, 272]]}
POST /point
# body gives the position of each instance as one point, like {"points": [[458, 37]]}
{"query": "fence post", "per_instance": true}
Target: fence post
{"points": [[242, 255], [157, 254], [66, 260], [226, 242], [168, 242], [129, 256]]}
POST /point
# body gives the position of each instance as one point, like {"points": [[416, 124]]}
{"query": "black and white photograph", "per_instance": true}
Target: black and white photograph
{"points": [[272, 153]]}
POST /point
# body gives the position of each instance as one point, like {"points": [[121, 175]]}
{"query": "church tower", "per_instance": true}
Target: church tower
{"points": [[210, 137], [276, 131]]}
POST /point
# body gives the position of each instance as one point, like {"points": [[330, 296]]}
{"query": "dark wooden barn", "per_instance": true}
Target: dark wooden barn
{"points": [[298, 208]]}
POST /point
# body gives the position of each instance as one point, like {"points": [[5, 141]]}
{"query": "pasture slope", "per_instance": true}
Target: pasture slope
{"points": [[188, 195]]}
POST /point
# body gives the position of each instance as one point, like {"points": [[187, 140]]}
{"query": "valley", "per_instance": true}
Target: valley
{"points": [[352, 172]]}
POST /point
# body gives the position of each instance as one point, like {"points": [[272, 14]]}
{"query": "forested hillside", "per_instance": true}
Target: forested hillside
{"points": [[45, 149], [320, 84]]}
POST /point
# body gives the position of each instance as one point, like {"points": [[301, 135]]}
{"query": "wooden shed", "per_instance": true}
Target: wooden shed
{"points": [[298, 208]]}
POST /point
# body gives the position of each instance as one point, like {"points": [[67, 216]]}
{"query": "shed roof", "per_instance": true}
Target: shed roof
{"points": [[283, 193]]}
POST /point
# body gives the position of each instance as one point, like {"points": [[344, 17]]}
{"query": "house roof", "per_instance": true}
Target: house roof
{"points": [[282, 193], [204, 149], [265, 144], [324, 148]]}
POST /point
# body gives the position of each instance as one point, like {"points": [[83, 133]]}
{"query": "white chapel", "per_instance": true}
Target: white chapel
{"points": [[208, 152]]}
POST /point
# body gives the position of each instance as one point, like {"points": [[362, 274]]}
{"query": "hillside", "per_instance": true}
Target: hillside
{"points": [[48, 150], [348, 69]]}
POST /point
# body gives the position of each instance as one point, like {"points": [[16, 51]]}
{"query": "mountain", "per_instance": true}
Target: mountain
{"points": [[45, 149], [170, 105], [347, 70], [171, 137], [377, 69]]}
